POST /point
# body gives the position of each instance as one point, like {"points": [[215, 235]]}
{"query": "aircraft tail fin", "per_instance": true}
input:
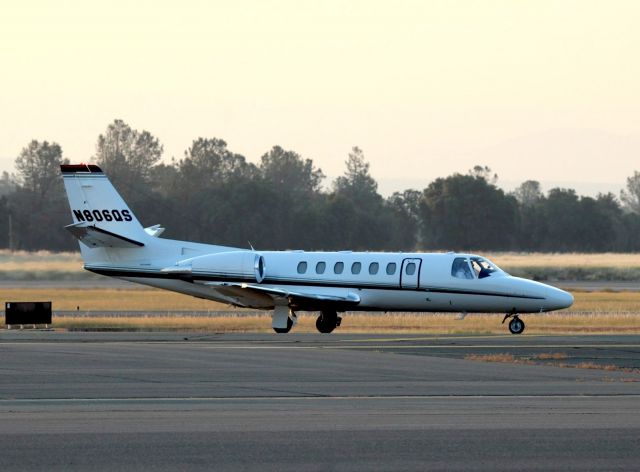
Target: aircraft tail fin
{"points": [[101, 217]]}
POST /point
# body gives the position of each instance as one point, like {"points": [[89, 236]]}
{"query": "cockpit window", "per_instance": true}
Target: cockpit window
{"points": [[461, 269], [482, 267]]}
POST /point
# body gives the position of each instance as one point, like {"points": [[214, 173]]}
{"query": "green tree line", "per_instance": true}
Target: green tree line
{"points": [[215, 195]]}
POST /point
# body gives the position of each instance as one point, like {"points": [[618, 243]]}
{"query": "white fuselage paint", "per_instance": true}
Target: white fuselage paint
{"points": [[114, 243], [432, 288]]}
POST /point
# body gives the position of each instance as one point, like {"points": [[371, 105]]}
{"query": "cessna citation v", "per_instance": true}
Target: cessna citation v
{"points": [[114, 243]]}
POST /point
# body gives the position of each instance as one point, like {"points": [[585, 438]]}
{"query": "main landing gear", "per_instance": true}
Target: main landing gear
{"points": [[516, 325], [286, 329], [328, 321], [283, 319]]}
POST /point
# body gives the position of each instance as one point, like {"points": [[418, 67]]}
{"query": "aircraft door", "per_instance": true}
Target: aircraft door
{"points": [[410, 273]]}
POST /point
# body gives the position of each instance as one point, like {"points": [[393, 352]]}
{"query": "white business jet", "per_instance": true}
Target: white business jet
{"points": [[114, 243]]}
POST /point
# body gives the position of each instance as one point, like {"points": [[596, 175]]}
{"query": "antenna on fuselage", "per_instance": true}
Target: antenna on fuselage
{"points": [[251, 245]]}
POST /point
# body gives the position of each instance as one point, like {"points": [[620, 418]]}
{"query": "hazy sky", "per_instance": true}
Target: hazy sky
{"points": [[533, 89]]}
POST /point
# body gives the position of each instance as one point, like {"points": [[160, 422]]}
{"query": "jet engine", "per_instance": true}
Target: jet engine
{"points": [[241, 264]]}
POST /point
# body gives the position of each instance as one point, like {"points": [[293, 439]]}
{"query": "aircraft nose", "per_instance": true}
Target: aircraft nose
{"points": [[559, 299]]}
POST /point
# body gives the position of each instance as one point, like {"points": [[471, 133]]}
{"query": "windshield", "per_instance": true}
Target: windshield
{"points": [[473, 268], [482, 267], [460, 268]]}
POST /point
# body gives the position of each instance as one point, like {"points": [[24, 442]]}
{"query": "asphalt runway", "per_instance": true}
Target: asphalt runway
{"points": [[175, 401]]}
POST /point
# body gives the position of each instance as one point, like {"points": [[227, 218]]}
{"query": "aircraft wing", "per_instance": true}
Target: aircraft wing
{"points": [[309, 301]]}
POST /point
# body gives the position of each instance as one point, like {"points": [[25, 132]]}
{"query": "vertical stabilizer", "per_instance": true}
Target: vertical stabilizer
{"points": [[101, 218]]}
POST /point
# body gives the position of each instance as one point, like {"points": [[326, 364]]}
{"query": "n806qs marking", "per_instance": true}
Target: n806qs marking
{"points": [[102, 215]]}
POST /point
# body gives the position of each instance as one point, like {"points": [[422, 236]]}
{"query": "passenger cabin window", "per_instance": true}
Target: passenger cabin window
{"points": [[302, 267], [373, 268], [410, 269], [356, 267], [391, 268], [482, 267], [460, 268], [320, 267], [338, 267]]}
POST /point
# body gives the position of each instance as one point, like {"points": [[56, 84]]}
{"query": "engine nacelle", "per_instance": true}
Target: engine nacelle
{"points": [[241, 264]]}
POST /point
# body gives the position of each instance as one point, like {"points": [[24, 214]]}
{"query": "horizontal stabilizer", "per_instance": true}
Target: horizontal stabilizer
{"points": [[155, 230], [92, 236]]}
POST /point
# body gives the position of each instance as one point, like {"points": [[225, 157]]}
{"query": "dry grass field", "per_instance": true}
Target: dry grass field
{"points": [[41, 265], [593, 312], [558, 267], [40, 261], [556, 359], [67, 299], [397, 323], [69, 261], [134, 299], [509, 260]]}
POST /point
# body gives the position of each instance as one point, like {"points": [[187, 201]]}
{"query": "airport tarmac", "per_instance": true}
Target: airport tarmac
{"points": [[191, 401]]}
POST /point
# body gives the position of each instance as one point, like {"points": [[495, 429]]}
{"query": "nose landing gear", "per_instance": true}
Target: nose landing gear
{"points": [[516, 325]]}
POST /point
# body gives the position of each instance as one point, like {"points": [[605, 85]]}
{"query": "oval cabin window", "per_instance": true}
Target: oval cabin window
{"points": [[391, 268], [320, 267], [410, 269], [373, 268], [302, 267], [338, 267], [356, 267]]}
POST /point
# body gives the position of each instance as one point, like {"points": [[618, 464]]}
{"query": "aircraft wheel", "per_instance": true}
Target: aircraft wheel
{"points": [[327, 322], [285, 330], [516, 325]]}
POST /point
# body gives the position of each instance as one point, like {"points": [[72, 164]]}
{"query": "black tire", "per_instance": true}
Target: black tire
{"points": [[516, 326], [325, 324], [285, 330]]}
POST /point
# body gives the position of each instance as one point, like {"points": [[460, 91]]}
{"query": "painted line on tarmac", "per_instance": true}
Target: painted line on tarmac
{"points": [[444, 346], [222, 346], [26, 401], [440, 338]]}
